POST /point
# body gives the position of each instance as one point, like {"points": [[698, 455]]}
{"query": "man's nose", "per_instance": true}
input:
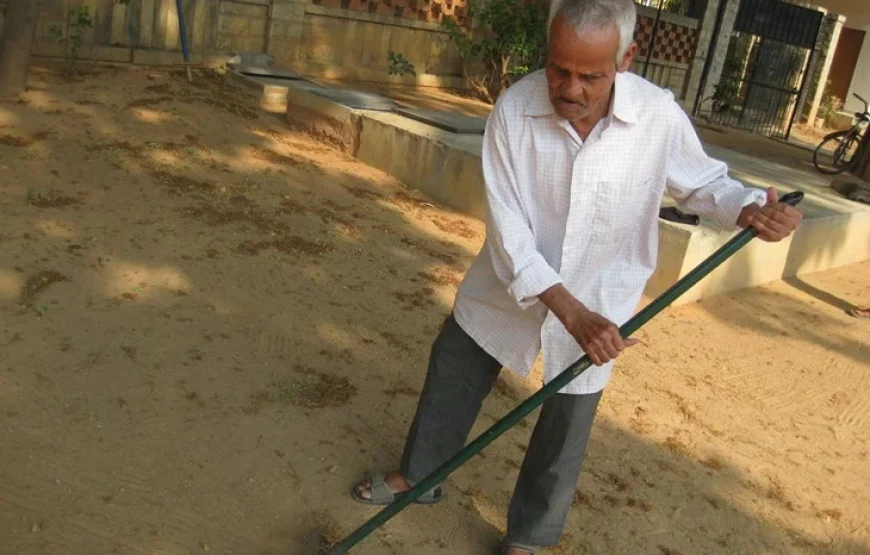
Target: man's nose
{"points": [[573, 88]]}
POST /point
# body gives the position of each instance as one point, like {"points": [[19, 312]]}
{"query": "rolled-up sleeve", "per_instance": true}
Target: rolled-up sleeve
{"points": [[701, 184], [517, 262]]}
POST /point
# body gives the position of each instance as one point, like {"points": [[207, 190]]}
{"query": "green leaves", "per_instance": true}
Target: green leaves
{"points": [[80, 21], [400, 65], [511, 42]]}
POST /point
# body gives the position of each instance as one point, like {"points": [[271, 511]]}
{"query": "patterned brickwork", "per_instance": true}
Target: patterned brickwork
{"points": [[430, 11], [674, 43]]}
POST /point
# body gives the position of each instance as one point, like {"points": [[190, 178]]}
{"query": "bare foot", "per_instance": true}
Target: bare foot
{"points": [[394, 479]]}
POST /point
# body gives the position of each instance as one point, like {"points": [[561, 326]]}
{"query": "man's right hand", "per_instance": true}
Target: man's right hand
{"points": [[597, 336]]}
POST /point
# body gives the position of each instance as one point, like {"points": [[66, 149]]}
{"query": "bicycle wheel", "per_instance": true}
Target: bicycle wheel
{"points": [[837, 152]]}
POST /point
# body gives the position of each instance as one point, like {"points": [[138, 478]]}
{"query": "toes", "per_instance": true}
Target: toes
{"points": [[364, 489]]}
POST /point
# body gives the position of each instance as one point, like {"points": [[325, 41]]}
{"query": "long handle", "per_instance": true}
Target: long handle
{"points": [[182, 31], [554, 386]]}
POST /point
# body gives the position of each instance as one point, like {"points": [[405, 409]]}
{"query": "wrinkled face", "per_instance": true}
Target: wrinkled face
{"points": [[581, 69]]}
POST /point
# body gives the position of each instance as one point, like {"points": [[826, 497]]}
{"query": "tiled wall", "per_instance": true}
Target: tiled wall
{"points": [[430, 11], [674, 42]]}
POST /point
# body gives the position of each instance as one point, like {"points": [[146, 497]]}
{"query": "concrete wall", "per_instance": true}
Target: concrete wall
{"points": [[442, 166], [147, 31], [318, 40], [348, 44], [820, 65], [861, 78]]}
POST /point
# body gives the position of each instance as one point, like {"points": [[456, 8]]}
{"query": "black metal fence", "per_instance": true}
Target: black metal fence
{"points": [[690, 8], [767, 67]]}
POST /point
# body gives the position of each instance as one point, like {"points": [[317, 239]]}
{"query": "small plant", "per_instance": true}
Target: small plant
{"points": [[400, 65], [511, 44], [725, 95], [80, 21], [830, 106]]}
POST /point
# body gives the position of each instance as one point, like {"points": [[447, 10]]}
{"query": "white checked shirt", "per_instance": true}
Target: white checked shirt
{"points": [[580, 213]]}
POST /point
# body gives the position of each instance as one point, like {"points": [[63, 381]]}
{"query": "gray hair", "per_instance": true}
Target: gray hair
{"points": [[581, 14]]}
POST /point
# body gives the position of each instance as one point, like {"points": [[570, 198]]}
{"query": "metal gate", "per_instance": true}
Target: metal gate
{"points": [[767, 67]]}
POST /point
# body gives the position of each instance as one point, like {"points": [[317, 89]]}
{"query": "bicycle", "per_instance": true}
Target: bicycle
{"points": [[841, 150]]}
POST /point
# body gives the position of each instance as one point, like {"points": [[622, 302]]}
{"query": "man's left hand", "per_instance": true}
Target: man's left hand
{"points": [[774, 221]]}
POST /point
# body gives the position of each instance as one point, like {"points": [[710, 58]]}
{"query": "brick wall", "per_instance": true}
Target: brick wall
{"points": [[347, 39], [243, 26]]}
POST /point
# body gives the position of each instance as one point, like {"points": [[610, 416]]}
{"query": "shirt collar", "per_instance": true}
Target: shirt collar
{"points": [[622, 108]]}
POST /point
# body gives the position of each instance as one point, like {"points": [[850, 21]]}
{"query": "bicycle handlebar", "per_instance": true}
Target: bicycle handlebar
{"points": [[866, 107]]}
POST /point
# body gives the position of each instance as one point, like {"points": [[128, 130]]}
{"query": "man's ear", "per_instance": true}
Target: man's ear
{"points": [[625, 64]]}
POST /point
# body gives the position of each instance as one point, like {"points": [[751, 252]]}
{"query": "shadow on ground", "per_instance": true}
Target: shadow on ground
{"points": [[212, 327]]}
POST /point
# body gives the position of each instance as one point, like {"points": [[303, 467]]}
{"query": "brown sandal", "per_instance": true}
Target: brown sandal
{"points": [[507, 544], [863, 313]]}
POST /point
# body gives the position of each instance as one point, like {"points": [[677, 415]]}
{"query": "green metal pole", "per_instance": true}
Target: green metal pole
{"points": [[513, 417]]}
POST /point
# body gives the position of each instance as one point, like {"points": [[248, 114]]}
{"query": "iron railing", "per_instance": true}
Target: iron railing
{"points": [[690, 8]]}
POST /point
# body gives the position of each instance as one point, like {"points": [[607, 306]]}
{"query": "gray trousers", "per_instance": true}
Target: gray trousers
{"points": [[461, 374]]}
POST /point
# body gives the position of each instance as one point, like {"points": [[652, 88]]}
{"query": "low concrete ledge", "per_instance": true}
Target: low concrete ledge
{"points": [[446, 166]]}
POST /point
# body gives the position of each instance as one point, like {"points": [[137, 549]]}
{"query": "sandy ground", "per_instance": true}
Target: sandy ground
{"points": [[211, 327]]}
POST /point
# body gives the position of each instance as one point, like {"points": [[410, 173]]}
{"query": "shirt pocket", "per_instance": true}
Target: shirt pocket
{"points": [[623, 207]]}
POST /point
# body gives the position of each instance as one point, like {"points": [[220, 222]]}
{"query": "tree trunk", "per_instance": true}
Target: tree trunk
{"points": [[16, 41], [862, 170]]}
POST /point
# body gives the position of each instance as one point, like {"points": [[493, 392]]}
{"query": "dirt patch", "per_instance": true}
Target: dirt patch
{"points": [[273, 157], [286, 245], [677, 447], [181, 184], [50, 199], [417, 299], [454, 227], [416, 245], [442, 276], [399, 344], [401, 390], [581, 499], [125, 146], [219, 216], [618, 483], [159, 89], [361, 193], [712, 463], [147, 102], [638, 504], [304, 388], [19, 141], [291, 206], [212, 93], [407, 202], [506, 390], [830, 514], [37, 283], [331, 533], [776, 491]]}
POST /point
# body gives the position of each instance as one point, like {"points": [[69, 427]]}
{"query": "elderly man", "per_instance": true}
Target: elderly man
{"points": [[576, 159]]}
